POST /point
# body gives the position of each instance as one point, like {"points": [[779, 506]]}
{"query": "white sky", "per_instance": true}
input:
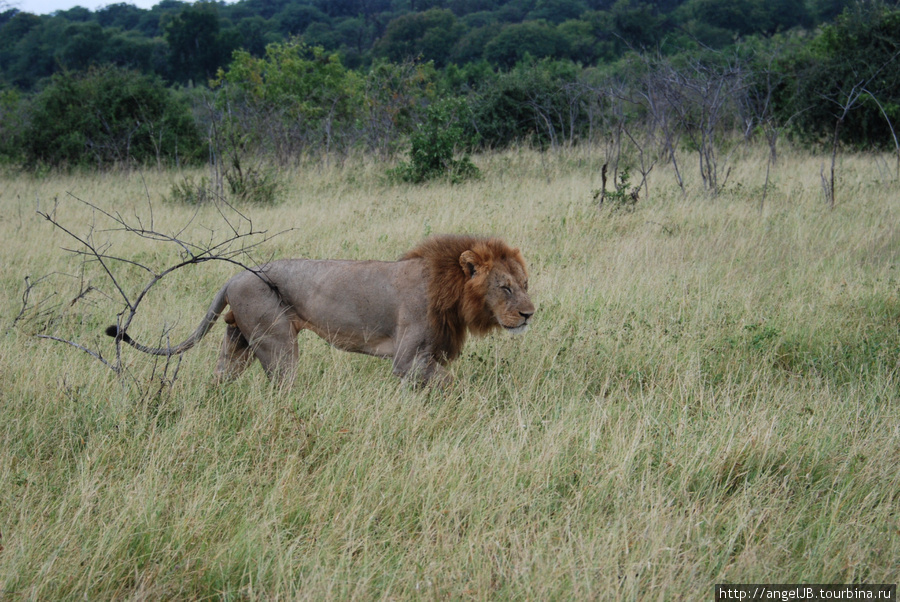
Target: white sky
{"points": [[43, 7]]}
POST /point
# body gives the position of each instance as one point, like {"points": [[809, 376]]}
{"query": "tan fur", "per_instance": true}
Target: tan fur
{"points": [[416, 310]]}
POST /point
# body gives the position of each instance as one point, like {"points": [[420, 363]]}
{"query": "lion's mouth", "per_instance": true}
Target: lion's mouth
{"points": [[516, 329]]}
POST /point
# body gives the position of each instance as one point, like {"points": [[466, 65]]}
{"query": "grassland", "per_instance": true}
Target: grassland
{"points": [[709, 394]]}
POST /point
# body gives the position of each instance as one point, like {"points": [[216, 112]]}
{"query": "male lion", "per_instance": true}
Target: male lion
{"points": [[416, 310]]}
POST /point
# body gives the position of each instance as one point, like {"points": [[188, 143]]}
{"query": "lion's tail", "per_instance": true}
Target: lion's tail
{"points": [[215, 309]]}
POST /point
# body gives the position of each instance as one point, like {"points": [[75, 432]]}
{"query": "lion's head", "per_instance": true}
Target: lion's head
{"points": [[496, 288], [476, 284]]}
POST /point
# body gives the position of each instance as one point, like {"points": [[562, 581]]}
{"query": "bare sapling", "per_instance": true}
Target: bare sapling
{"points": [[846, 101]]}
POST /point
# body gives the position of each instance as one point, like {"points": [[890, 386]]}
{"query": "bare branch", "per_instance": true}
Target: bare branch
{"points": [[92, 251], [95, 354], [26, 295], [890, 125]]}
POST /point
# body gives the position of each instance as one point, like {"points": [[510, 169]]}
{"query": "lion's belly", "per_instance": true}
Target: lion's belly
{"points": [[357, 342]]}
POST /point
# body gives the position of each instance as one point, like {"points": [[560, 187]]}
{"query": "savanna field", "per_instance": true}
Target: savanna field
{"points": [[709, 393]]}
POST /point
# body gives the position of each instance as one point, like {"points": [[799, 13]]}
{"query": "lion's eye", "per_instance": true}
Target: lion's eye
{"points": [[506, 290]]}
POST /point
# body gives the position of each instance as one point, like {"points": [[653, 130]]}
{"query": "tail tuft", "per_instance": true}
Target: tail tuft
{"points": [[113, 331]]}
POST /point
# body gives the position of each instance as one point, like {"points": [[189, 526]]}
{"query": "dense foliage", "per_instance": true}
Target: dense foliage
{"points": [[849, 77], [184, 42], [296, 77], [107, 116]]}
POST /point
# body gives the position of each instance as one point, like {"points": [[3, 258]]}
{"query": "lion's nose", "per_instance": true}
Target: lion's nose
{"points": [[526, 315]]}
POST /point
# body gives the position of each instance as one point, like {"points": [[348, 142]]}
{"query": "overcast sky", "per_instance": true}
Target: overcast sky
{"points": [[43, 7]]}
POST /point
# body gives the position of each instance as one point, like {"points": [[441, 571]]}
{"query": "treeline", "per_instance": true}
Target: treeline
{"points": [[838, 86], [184, 42]]}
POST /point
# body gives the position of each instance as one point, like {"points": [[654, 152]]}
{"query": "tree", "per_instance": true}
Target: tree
{"points": [[254, 34], [586, 41], [703, 98], [76, 14], [295, 18], [131, 50], [197, 44], [28, 44], [394, 96], [123, 15], [293, 99], [356, 35], [536, 101], [557, 11], [637, 23], [12, 117], [470, 47], [340, 8], [745, 17], [532, 38], [84, 45], [427, 36]]}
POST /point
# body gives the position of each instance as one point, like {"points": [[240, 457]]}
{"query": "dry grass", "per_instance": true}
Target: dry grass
{"points": [[709, 394]]}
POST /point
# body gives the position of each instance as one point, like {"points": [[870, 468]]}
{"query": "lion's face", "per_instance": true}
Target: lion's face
{"points": [[507, 296], [501, 286]]}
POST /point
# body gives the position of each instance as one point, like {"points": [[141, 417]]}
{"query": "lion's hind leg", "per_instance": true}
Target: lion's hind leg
{"points": [[273, 340], [274, 345], [236, 353], [278, 352]]}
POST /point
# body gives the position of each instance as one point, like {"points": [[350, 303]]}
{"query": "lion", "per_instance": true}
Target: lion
{"points": [[416, 310]]}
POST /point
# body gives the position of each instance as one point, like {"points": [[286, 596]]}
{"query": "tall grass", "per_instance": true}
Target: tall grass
{"points": [[709, 394]]}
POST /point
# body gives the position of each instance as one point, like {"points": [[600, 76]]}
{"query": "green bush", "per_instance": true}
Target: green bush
{"points": [[435, 144], [530, 103], [252, 185], [189, 192], [107, 116], [624, 196]]}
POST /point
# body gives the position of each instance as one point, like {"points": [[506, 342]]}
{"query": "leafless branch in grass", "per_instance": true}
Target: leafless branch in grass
{"points": [[114, 366], [890, 126], [846, 101], [37, 310], [702, 96], [238, 245], [828, 185], [602, 192], [757, 106]]}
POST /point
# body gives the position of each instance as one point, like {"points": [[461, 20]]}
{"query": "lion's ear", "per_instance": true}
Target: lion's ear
{"points": [[469, 262]]}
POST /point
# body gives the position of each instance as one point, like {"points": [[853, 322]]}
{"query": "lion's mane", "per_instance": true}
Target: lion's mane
{"points": [[456, 302]]}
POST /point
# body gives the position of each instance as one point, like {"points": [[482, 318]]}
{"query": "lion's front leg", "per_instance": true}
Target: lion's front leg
{"points": [[421, 368]]}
